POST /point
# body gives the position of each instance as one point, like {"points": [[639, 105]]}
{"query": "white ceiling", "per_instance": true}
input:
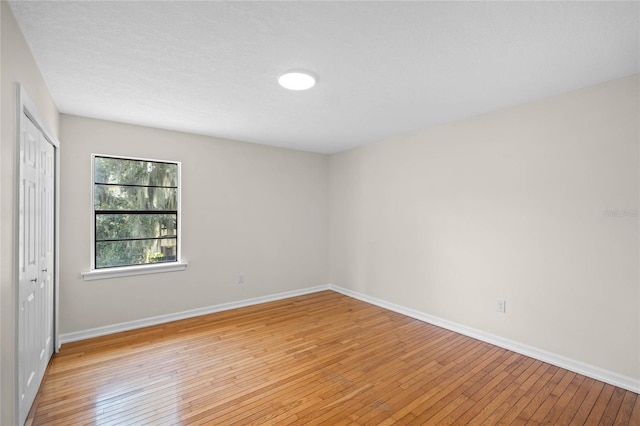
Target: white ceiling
{"points": [[384, 67]]}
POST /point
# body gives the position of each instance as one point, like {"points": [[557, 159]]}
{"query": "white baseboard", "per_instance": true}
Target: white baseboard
{"points": [[588, 370], [161, 319]]}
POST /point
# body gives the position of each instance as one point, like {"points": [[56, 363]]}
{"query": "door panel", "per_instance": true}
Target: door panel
{"points": [[46, 260], [28, 277]]}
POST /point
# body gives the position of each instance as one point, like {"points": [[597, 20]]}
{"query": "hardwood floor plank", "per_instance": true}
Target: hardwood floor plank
{"points": [[317, 359], [626, 409], [434, 385], [531, 387], [587, 403], [574, 404], [635, 414], [553, 376], [454, 392], [600, 405], [559, 383], [498, 406], [496, 398], [611, 412], [558, 409]]}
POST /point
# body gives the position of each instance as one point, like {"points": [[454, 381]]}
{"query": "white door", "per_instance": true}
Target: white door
{"points": [[36, 262], [46, 252]]}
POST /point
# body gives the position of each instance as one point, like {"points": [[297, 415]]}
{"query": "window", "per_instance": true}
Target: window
{"points": [[136, 206]]}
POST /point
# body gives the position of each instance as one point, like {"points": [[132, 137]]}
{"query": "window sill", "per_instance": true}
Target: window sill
{"points": [[126, 271]]}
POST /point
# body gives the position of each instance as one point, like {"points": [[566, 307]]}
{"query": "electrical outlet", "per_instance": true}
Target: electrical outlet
{"points": [[241, 278], [501, 305]]}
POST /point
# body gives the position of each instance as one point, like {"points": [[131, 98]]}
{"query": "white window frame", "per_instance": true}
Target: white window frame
{"points": [[125, 271]]}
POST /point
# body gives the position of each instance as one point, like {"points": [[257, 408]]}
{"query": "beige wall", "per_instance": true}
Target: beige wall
{"points": [[246, 208], [17, 65], [512, 205]]}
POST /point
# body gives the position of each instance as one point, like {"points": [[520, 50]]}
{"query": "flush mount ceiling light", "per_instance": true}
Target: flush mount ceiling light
{"points": [[297, 80]]}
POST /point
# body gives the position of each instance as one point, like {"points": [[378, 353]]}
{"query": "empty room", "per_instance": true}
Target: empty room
{"points": [[319, 213]]}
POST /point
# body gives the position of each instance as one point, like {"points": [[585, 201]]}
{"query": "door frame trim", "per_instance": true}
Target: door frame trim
{"points": [[24, 104]]}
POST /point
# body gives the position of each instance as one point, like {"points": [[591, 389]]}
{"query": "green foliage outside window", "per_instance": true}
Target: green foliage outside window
{"points": [[136, 217]]}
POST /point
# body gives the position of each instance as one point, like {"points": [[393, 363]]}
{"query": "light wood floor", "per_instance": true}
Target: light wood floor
{"points": [[323, 359]]}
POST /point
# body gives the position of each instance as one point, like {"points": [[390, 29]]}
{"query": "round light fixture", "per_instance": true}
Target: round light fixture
{"points": [[297, 80]]}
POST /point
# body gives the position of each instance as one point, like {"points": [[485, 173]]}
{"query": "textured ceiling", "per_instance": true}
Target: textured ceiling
{"points": [[384, 67]]}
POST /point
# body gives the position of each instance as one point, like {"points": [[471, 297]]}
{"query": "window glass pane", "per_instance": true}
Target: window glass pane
{"points": [[135, 172], [129, 226], [148, 192], [116, 197], [137, 252]]}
